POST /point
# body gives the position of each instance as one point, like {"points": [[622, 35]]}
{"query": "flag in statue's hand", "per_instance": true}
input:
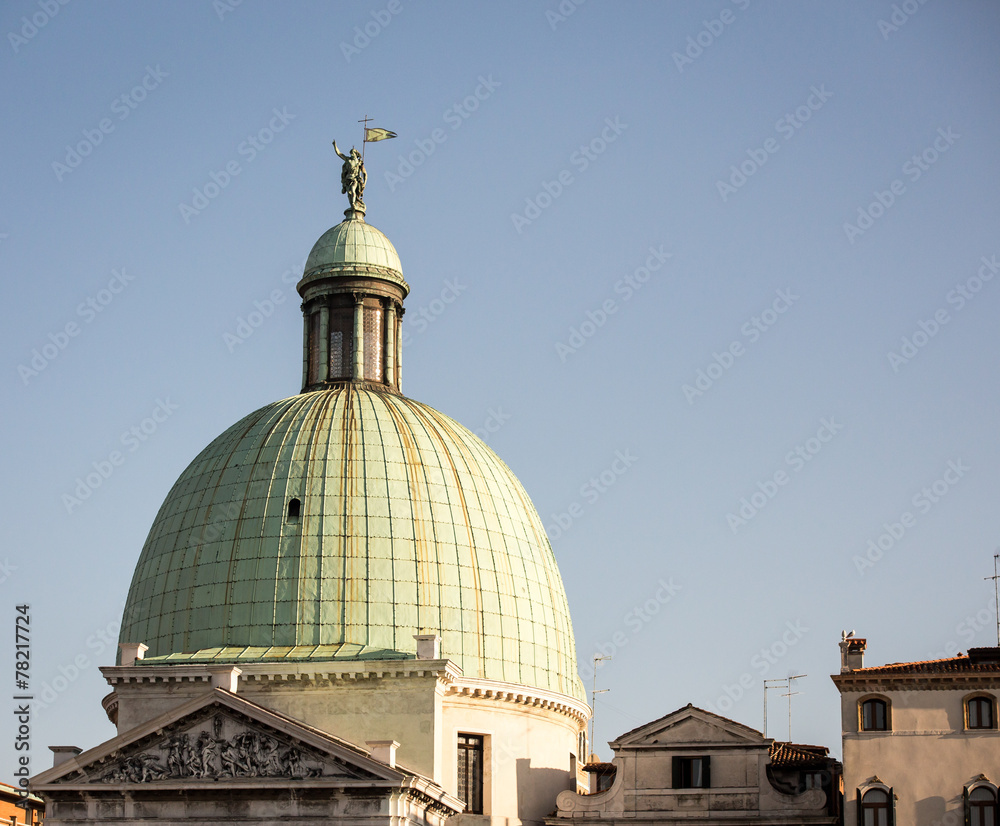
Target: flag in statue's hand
{"points": [[372, 135]]}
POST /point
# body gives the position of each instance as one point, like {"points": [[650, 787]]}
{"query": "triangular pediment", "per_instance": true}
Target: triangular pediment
{"points": [[221, 737], [691, 726]]}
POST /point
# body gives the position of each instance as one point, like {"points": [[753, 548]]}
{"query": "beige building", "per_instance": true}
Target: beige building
{"points": [[921, 745], [692, 766]]}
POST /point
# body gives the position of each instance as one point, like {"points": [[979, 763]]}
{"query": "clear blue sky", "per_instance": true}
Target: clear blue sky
{"points": [[683, 243]]}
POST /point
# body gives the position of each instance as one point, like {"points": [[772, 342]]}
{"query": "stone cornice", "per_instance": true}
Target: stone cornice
{"points": [[522, 695], [352, 271], [860, 681], [450, 679], [301, 672]]}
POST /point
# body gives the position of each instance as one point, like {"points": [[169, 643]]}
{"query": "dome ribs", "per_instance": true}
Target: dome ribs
{"points": [[408, 524], [425, 538]]}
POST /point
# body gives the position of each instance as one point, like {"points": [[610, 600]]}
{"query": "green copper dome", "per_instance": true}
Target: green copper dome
{"points": [[352, 242], [406, 523]]}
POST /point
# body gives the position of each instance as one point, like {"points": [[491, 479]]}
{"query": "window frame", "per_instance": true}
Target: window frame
{"points": [[889, 805], [682, 768], [873, 699], [971, 805], [977, 698], [477, 785]]}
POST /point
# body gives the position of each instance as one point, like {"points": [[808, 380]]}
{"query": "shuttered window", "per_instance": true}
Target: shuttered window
{"points": [[691, 773]]}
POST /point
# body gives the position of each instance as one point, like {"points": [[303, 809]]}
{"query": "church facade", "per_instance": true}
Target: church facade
{"points": [[347, 608]]}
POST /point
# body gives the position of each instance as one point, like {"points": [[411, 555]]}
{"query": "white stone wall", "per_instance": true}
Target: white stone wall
{"points": [[531, 735]]}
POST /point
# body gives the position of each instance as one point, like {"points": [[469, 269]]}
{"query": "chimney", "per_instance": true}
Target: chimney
{"points": [[132, 651], [852, 653], [384, 750], [225, 676], [428, 646], [986, 656], [60, 754]]}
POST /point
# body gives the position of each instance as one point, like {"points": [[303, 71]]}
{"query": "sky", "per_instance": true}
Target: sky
{"points": [[719, 281]]}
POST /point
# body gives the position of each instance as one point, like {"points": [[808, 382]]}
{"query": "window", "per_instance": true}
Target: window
{"points": [[313, 363], [341, 348], [373, 343], [294, 509], [691, 773], [874, 715], [815, 780], [982, 807], [979, 713], [876, 808], [470, 772]]}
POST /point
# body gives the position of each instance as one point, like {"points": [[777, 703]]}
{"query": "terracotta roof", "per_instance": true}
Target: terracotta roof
{"points": [[796, 755], [950, 665]]}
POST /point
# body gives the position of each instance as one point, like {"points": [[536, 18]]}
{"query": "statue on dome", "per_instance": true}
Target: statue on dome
{"points": [[353, 177]]}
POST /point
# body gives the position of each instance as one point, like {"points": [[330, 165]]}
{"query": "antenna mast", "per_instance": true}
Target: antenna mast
{"points": [[593, 703], [766, 687], [789, 695], [996, 593]]}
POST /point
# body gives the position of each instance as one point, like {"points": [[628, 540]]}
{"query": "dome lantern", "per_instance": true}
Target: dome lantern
{"points": [[352, 300]]}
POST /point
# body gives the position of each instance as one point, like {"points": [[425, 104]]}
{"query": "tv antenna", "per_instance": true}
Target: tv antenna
{"points": [[789, 695], [996, 593], [786, 682], [593, 704]]}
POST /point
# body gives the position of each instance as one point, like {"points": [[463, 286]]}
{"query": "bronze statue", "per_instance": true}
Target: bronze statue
{"points": [[353, 177]]}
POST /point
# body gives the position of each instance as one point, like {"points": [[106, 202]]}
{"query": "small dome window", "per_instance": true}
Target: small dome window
{"points": [[294, 509]]}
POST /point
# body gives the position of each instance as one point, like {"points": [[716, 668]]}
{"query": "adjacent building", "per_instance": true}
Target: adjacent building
{"points": [[921, 745], [16, 810], [693, 766]]}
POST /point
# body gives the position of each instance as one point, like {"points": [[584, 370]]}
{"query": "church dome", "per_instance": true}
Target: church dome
{"points": [[351, 243], [336, 525]]}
